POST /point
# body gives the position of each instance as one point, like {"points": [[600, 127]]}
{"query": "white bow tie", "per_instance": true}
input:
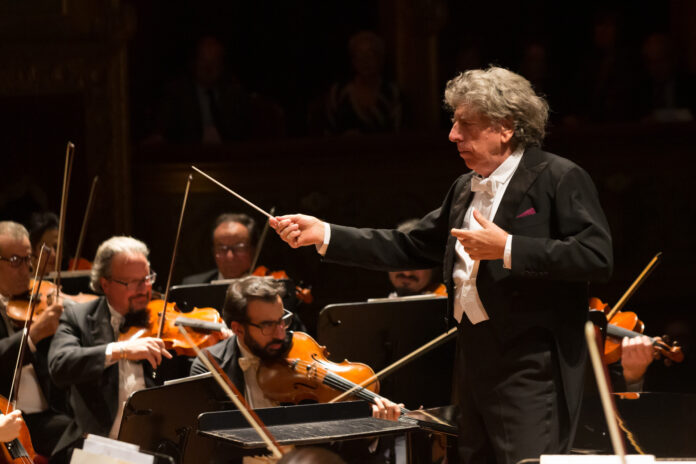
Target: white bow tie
{"points": [[486, 185], [247, 362]]}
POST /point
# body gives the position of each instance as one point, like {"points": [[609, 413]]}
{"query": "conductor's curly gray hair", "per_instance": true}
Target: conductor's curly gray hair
{"points": [[502, 95]]}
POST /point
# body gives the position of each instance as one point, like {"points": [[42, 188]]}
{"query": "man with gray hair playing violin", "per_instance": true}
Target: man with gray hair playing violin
{"points": [[518, 238], [85, 353]]}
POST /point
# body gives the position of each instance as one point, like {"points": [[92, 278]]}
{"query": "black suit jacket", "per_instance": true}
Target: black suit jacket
{"points": [[560, 244], [202, 278], [226, 353], [77, 359], [9, 349]]}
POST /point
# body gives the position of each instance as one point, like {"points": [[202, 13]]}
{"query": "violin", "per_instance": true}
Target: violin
{"points": [[19, 450], [302, 294], [622, 324], [305, 373], [207, 324], [18, 307]]}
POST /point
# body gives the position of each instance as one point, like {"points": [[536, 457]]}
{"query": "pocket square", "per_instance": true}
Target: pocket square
{"points": [[528, 212]]}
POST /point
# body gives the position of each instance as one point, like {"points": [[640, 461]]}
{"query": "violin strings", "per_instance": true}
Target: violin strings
{"points": [[337, 382]]}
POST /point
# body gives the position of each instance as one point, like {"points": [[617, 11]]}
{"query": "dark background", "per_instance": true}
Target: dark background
{"points": [[291, 52]]}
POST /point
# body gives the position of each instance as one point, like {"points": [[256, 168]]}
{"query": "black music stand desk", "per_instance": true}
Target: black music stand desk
{"points": [[302, 425]]}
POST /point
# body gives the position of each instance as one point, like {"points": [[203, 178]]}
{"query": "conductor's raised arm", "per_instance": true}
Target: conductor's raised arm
{"points": [[299, 230]]}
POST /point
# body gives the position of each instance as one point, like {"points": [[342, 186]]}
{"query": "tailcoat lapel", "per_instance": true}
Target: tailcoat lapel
{"points": [[526, 173]]}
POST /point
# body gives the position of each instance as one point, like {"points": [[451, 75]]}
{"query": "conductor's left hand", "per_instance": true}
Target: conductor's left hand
{"points": [[485, 243]]}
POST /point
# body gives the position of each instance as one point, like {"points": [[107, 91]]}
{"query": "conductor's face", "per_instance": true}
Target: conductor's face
{"points": [[481, 143]]}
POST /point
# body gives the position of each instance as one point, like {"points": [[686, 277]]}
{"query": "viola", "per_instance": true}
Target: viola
{"points": [[627, 324], [305, 373], [302, 294], [207, 324], [19, 450], [18, 307]]}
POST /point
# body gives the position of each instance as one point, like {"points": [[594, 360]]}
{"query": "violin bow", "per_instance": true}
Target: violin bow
{"points": [[603, 387], [69, 155], [262, 239], [233, 393], [434, 343], [38, 277], [224, 187], [160, 329], [85, 220], [634, 286]]}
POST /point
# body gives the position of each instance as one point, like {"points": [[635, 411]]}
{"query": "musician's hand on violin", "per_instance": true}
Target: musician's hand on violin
{"points": [[10, 425], [487, 243], [148, 348], [46, 324], [299, 230], [636, 355], [382, 408]]}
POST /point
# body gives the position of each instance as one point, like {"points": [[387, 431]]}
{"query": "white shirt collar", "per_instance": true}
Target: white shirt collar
{"points": [[503, 172]]}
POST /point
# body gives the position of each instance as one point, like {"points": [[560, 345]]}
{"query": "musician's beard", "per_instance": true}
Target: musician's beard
{"points": [[268, 353], [136, 318]]}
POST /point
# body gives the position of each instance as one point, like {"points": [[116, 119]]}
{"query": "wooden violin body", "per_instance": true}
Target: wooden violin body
{"points": [[170, 334], [18, 308], [306, 374], [20, 449], [627, 324]]}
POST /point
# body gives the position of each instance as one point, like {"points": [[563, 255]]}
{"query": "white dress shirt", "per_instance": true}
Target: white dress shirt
{"points": [[252, 392], [131, 377], [466, 297]]}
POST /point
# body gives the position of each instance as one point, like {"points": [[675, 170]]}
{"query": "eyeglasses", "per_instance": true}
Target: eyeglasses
{"points": [[237, 249], [269, 327], [135, 284], [17, 261]]}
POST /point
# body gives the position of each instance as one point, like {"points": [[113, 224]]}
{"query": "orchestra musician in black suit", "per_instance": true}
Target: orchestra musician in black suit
{"points": [[518, 238], [235, 236], [85, 354]]}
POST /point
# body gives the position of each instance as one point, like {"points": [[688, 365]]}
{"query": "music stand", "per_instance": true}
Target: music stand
{"points": [[380, 332], [302, 425], [163, 419], [73, 282], [212, 295]]}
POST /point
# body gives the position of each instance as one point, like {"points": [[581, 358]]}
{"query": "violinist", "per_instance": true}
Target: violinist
{"points": [[254, 311], [519, 238], [85, 355], [42, 403], [10, 425], [43, 229], [418, 281], [234, 242], [636, 355]]}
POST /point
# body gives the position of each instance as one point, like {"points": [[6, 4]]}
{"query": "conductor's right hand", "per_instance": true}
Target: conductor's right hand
{"points": [[148, 348], [299, 230]]}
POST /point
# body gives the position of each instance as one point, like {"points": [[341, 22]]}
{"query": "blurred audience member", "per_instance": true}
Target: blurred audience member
{"points": [[206, 106], [666, 93], [368, 103]]}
